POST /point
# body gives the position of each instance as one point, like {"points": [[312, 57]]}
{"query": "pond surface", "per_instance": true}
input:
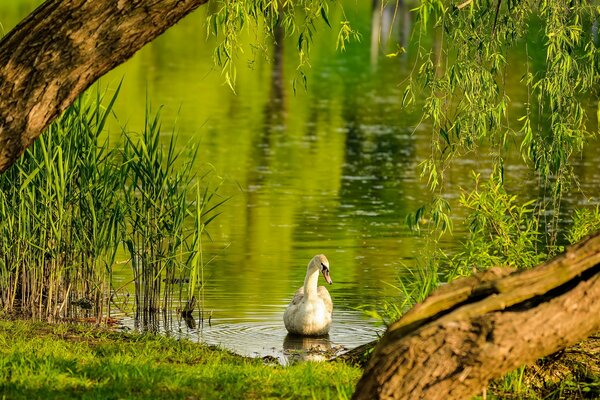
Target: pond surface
{"points": [[331, 170], [266, 337]]}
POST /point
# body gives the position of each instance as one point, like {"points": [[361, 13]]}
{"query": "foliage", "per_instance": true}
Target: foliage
{"points": [[501, 231], [434, 216], [461, 69], [413, 286], [72, 362], [294, 18], [462, 64], [585, 223], [69, 203]]}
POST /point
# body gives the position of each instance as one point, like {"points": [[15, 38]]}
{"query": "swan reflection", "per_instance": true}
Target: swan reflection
{"points": [[305, 348]]}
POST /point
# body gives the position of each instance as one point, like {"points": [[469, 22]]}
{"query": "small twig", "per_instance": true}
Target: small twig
{"points": [[583, 352]]}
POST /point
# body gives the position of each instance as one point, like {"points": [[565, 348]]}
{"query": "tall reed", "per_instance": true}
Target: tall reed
{"points": [[69, 203], [156, 187], [57, 219]]}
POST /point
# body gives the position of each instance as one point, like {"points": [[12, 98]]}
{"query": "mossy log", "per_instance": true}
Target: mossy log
{"points": [[479, 328], [60, 49]]}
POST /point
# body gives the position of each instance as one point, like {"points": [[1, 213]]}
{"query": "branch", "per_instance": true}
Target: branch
{"points": [[479, 328], [60, 49]]}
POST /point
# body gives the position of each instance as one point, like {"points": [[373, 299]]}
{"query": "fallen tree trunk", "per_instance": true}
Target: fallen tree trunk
{"points": [[479, 328], [60, 49]]}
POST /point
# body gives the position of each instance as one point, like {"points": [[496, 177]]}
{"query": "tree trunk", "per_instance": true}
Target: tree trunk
{"points": [[60, 49], [479, 328]]}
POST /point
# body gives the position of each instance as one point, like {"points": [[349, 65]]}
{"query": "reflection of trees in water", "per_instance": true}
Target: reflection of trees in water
{"points": [[390, 27], [274, 115], [263, 143], [378, 152], [275, 110]]}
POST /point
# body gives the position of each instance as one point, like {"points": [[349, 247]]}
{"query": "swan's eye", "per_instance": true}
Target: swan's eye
{"points": [[324, 266]]}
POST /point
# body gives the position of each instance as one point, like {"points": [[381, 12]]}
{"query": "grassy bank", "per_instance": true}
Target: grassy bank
{"points": [[41, 361], [68, 361]]}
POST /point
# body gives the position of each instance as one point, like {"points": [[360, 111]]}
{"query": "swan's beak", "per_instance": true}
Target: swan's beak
{"points": [[325, 272]]}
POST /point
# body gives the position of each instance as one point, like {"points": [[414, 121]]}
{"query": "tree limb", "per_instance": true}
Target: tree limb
{"points": [[479, 328], [60, 49]]}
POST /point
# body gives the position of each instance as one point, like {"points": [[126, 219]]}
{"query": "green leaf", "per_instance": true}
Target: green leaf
{"points": [[324, 16], [300, 41]]}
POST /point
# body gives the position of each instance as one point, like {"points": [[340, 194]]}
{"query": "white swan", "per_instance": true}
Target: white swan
{"points": [[309, 312]]}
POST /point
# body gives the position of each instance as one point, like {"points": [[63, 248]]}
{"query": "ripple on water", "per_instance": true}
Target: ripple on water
{"points": [[260, 339], [270, 339]]}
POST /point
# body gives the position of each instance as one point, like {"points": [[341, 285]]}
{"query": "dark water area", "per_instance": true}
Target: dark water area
{"points": [[333, 169]]}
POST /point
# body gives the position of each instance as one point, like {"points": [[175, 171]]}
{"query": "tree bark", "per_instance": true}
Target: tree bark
{"points": [[60, 49], [479, 328]]}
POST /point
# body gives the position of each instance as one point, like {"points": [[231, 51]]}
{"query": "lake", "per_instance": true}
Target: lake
{"points": [[332, 170]]}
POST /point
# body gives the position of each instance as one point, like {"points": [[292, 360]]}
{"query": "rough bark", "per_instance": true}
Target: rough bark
{"points": [[60, 49], [479, 328]]}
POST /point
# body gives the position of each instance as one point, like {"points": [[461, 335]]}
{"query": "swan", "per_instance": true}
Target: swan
{"points": [[309, 312]]}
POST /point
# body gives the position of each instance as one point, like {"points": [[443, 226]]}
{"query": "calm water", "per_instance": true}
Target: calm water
{"points": [[332, 170]]}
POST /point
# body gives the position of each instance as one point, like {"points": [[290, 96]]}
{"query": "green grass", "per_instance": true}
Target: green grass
{"points": [[41, 361]]}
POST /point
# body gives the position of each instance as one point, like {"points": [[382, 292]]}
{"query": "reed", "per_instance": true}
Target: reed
{"points": [[72, 200], [56, 214], [157, 186]]}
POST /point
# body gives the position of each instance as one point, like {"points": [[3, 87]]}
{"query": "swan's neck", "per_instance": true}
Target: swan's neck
{"points": [[310, 283]]}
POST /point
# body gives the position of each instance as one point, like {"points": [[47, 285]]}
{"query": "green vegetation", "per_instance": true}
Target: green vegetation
{"points": [[73, 200], [468, 60], [465, 58], [264, 17], [67, 361]]}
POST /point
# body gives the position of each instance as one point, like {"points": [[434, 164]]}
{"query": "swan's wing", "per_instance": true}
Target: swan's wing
{"points": [[298, 296], [324, 295]]}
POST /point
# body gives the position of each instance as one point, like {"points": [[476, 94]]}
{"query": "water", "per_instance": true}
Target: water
{"points": [[265, 336], [332, 170]]}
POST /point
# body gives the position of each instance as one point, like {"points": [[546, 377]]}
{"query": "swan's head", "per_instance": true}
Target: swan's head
{"points": [[320, 262]]}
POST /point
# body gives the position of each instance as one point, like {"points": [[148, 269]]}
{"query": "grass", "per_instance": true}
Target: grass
{"points": [[572, 373], [67, 361]]}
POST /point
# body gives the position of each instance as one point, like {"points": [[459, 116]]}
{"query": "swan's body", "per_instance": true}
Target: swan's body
{"points": [[309, 312]]}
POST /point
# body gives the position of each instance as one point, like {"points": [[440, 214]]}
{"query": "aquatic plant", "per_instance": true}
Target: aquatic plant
{"points": [[165, 215], [72, 200], [59, 217]]}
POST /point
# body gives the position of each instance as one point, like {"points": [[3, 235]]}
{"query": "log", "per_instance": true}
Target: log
{"points": [[479, 328], [60, 49]]}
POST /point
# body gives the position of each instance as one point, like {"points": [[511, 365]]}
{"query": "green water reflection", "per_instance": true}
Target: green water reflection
{"points": [[332, 170], [329, 170]]}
